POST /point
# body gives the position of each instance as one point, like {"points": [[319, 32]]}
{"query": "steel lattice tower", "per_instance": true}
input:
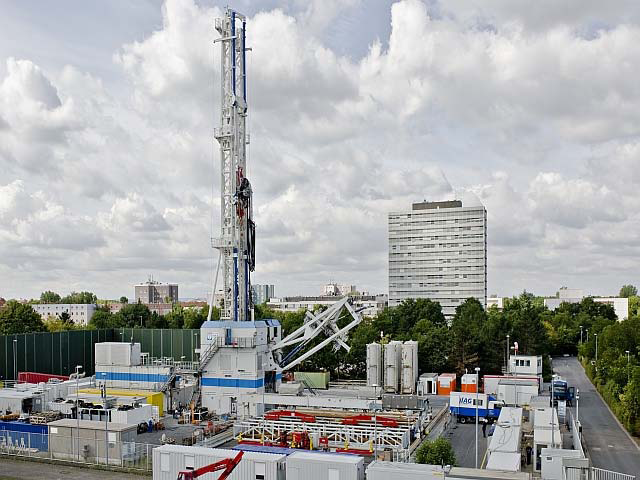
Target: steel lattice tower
{"points": [[237, 230]]}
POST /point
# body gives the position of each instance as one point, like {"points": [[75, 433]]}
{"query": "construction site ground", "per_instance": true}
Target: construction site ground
{"points": [[20, 469]]}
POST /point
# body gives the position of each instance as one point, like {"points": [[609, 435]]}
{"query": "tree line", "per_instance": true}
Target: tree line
{"points": [[615, 369]]}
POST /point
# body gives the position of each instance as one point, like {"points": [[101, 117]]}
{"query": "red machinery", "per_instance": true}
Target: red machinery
{"points": [[285, 414], [227, 465], [358, 419]]}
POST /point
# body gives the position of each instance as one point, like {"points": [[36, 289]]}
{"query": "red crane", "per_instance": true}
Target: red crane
{"points": [[228, 464]]}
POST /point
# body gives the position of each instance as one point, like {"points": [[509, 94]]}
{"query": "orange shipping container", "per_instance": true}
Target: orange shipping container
{"points": [[446, 383]]}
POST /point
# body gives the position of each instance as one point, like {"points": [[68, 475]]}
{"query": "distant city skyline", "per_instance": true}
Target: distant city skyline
{"points": [[110, 168]]}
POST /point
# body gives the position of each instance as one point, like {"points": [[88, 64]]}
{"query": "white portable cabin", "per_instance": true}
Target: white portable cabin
{"points": [[546, 433], [491, 382], [554, 461], [324, 466], [118, 353], [428, 384], [517, 391], [504, 447], [378, 470], [169, 460]]}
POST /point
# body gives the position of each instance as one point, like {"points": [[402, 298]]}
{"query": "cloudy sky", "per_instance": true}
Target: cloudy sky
{"points": [[109, 170]]}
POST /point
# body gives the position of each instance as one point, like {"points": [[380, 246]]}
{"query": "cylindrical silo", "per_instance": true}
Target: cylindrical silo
{"points": [[392, 363], [409, 366], [374, 364]]}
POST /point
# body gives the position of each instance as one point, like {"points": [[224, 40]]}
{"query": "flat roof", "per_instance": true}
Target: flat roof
{"points": [[21, 394], [434, 205], [544, 436], [528, 382], [93, 425], [506, 438], [219, 452], [335, 457], [509, 461], [543, 417], [510, 415]]}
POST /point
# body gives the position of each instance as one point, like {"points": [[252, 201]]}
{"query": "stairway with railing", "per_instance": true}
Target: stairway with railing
{"points": [[204, 360]]}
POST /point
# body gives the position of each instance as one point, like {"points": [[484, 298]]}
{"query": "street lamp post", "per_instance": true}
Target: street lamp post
{"points": [[580, 334], [106, 418], [15, 360], [375, 424], [506, 358], [477, 385], [627, 365], [78, 367], [596, 335], [553, 380], [578, 410]]}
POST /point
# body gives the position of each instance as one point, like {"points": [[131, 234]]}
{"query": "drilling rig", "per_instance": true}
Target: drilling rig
{"points": [[240, 357]]}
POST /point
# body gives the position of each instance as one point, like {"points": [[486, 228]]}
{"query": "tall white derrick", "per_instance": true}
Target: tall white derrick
{"points": [[237, 230]]}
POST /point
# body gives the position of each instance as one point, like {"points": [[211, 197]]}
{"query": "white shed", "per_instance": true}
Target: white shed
{"points": [[169, 460]]}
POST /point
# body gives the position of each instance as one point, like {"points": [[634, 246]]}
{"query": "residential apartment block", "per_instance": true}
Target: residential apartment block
{"points": [[156, 292], [79, 313]]}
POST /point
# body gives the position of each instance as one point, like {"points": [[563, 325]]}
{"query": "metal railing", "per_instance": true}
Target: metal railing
{"points": [[594, 473], [83, 450]]}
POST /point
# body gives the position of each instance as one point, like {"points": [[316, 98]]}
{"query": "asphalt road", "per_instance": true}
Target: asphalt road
{"points": [[608, 444], [463, 441], [18, 470]]}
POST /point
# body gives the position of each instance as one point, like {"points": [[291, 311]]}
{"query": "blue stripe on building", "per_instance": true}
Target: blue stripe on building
{"points": [[132, 377], [232, 382]]}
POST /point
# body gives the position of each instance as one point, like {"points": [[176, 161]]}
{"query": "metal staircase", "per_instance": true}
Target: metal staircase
{"points": [[205, 358], [167, 384]]}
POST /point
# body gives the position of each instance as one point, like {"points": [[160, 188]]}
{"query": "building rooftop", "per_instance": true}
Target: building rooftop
{"points": [[435, 205], [92, 425]]}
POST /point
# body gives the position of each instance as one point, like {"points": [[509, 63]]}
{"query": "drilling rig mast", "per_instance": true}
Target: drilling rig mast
{"points": [[237, 230]]}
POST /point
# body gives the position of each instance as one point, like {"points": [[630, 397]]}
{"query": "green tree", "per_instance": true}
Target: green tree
{"points": [[436, 452], [49, 297], [103, 318], [467, 324], [80, 297], [57, 324], [18, 317], [628, 291], [124, 299], [135, 315]]}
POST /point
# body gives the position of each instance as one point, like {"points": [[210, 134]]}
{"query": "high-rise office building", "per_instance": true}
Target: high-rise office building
{"points": [[438, 250], [262, 293]]}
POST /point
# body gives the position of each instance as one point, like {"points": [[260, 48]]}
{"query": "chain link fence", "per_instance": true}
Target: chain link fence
{"points": [[88, 451]]}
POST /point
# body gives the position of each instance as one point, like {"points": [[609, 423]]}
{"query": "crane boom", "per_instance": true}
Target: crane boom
{"points": [[227, 465]]}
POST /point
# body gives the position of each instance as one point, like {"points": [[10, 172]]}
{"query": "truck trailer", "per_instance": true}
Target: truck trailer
{"points": [[463, 406]]}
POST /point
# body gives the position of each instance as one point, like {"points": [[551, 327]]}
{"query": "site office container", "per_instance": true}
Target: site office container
{"points": [[324, 466], [118, 353], [33, 377], [446, 383], [169, 460], [469, 383], [491, 382]]}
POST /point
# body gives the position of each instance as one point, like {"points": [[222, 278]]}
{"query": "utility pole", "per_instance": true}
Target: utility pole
{"points": [[580, 334], [627, 365], [553, 381], [15, 360], [506, 358], [578, 411], [596, 335]]}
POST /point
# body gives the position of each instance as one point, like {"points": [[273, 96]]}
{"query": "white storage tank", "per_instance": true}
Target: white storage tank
{"points": [[324, 466], [392, 366], [409, 366], [374, 364], [169, 460]]}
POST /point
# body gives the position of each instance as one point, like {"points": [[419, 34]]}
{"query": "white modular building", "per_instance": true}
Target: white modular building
{"points": [[79, 313], [170, 460], [517, 392], [428, 384], [304, 465], [438, 250], [237, 363], [504, 447], [546, 433]]}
